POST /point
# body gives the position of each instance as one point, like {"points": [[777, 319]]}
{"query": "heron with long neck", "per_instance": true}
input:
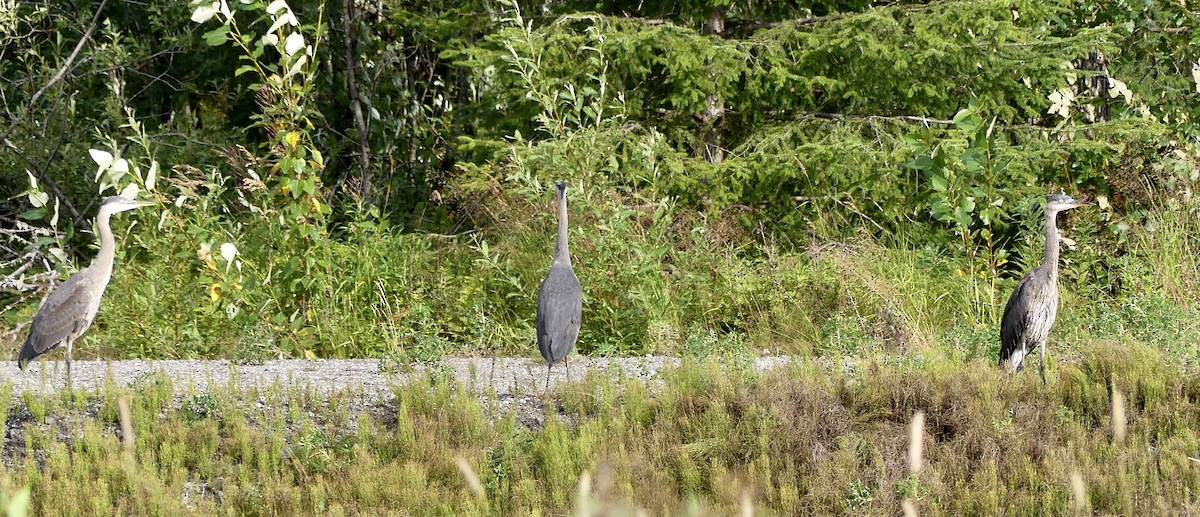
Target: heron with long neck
{"points": [[70, 309], [560, 298], [1031, 309]]}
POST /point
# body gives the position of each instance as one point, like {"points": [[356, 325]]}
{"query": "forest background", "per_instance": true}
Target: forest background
{"points": [[855, 184], [372, 179]]}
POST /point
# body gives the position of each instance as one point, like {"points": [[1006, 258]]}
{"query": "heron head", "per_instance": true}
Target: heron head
{"points": [[562, 185], [1060, 202], [115, 204]]}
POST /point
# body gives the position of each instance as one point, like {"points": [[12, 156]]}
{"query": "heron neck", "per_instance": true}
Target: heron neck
{"points": [[1050, 260], [561, 253], [108, 246]]}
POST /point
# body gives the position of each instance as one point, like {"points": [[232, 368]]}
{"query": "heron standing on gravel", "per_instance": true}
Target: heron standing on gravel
{"points": [[1033, 305], [560, 299], [70, 309]]}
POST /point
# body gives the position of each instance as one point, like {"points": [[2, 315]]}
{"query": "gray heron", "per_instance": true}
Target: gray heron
{"points": [[70, 309], [560, 299], [1033, 305]]}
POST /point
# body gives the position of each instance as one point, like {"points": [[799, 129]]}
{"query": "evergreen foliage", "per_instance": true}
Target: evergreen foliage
{"points": [[381, 171]]}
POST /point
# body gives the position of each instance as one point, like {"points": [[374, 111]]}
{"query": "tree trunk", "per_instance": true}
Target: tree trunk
{"points": [[1095, 86], [360, 123], [713, 151]]}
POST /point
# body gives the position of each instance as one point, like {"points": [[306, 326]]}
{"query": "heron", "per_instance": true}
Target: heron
{"points": [[560, 299], [1033, 305], [70, 309]]}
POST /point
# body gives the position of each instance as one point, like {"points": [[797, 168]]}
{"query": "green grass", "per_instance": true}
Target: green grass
{"points": [[803, 439], [657, 278]]}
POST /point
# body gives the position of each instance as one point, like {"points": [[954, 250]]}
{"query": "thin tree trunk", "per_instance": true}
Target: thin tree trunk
{"points": [[713, 151], [1095, 86], [355, 106]]}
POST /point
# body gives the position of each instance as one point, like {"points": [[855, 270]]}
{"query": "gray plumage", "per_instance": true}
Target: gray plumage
{"points": [[70, 309], [1031, 309], [560, 299]]}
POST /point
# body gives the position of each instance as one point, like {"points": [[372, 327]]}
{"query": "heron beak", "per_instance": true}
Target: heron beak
{"points": [[1078, 204], [141, 204]]}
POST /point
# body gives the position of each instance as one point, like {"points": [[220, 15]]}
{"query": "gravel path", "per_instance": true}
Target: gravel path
{"points": [[500, 376], [513, 384]]}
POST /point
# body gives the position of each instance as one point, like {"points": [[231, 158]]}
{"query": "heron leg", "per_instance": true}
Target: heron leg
{"points": [[549, 365], [70, 385], [1042, 366], [567, 364]]}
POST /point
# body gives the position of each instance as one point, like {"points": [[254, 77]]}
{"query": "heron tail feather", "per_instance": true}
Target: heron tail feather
{"points": [[27, 354]]}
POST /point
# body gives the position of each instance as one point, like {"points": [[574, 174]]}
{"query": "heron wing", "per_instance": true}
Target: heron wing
{"points": [[559, 312], [1018, 314], [65, 313]]}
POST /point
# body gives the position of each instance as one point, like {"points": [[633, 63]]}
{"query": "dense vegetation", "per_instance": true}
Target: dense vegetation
{"points": [[373, 180], [709, 440], [817, 178]]}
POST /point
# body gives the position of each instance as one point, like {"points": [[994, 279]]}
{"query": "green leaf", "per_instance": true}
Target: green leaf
{"points": [[920, 163], [915, 142], [967, 120], [217, 36], [972, 159], [1001, 164], [34, 214], [938, 181], [940, 210], [962, 216], [967, 203]]}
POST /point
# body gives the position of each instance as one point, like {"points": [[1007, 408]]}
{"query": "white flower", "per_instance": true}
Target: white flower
{"points": [[274, 7], [130, 191], [152, 176], [205, 13], [1116, 87], [270, 39], [38, 199], [296, 67], [225, 10], [1060, 102], [121, 166], [286, 19], [102, 158], [294, 42], [228, 251], [1196, 74]]}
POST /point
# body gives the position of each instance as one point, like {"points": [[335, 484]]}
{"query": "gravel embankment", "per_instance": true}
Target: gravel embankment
{"points": [[510, 384], [501, 376]]}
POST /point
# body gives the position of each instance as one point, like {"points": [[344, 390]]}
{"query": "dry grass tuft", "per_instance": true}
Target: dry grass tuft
{"points": [[934, 436]]}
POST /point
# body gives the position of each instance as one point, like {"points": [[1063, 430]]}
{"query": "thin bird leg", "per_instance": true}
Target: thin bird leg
{"points": [[567, 364], [548, 366], [1043, 362], [70, 385]]}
